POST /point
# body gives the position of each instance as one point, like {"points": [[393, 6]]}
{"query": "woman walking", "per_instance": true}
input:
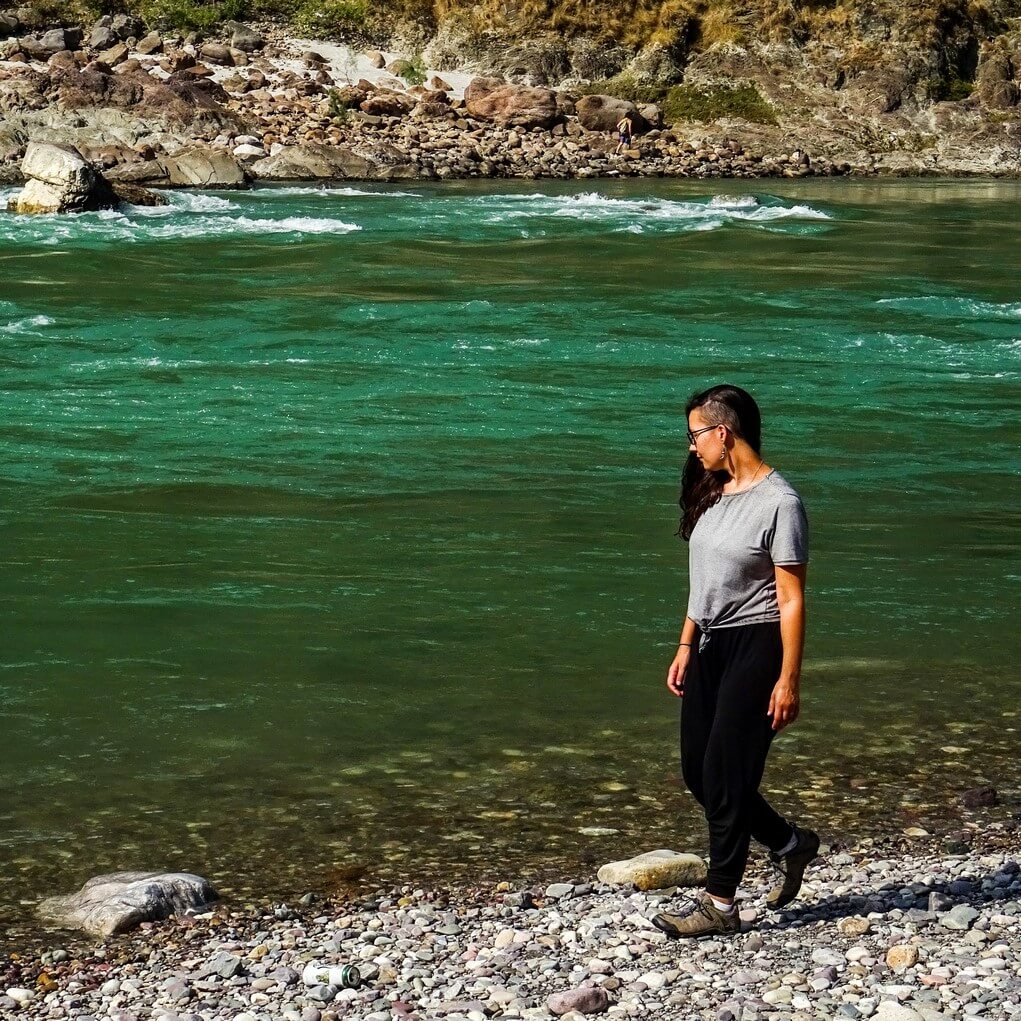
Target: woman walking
{"points": [[738, 664]]}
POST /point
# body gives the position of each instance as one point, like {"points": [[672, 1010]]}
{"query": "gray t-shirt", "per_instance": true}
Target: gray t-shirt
{"points": [[734, 548]]}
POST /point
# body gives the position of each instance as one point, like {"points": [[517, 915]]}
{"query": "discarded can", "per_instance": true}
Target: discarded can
{"points": [[347, 976], [344, 976]]}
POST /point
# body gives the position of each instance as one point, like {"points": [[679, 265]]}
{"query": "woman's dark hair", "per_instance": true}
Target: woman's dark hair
{"points": [[719, 405]]}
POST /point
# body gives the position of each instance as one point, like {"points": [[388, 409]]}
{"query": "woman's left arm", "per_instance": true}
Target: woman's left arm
{"points": [[785, 702]]}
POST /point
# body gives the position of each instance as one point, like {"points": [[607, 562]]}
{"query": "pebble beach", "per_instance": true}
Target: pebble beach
{"points": [[898, 929]]}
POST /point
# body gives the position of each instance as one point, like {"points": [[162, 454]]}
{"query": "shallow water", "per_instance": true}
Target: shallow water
{"points": [[340, 521]]}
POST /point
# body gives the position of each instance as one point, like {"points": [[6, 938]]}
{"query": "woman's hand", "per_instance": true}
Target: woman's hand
{"points": [[678, 669], [784, 704]]}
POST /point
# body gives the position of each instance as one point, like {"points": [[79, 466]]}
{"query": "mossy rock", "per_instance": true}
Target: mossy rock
{"points": [[950, 87], [698, 103], [624, 86]]}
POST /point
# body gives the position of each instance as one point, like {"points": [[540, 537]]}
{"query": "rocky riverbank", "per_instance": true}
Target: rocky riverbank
{"points": [[161, 109], [892, 929]]}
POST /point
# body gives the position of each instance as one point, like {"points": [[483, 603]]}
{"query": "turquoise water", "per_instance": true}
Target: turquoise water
{"points": [[339, 523]]}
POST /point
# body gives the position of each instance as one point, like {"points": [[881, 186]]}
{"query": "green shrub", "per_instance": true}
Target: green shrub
{"points": [[949, 87], [191, 15], [413, 71], [338, 108], [331, 17], [691, 103], [623, 86]]}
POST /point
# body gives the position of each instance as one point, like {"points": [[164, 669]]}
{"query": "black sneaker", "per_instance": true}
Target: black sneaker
{"points": [[705, 919], [791, 867]]}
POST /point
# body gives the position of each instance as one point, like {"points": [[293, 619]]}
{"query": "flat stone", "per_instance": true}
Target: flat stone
{"points": [[583, 1000], [655, 870], [854, 926], [557, 890], [961, 917], [888, 1010]]}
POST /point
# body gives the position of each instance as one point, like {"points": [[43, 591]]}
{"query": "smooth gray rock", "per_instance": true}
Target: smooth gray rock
{"points": [[224, 965], [122, 900], [244, 37], [557, 890], [102, 37], [961, 917]]}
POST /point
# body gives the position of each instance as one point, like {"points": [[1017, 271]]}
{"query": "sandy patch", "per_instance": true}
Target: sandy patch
{"points": [[347, 65]]}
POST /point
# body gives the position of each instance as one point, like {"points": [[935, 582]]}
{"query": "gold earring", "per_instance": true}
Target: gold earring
{"points": [[723, 453]]}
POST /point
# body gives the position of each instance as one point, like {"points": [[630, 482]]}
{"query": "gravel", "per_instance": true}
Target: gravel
{"points": [[877, 933]]}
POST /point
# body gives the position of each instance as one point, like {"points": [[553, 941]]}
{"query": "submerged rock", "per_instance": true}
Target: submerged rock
{"points": [[656, 870], [122, 900]]}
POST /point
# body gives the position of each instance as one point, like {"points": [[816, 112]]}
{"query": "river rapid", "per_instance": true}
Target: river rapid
{"points": [[339, 523]]}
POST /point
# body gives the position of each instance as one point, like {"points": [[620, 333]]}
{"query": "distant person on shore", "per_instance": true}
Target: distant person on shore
{"points": [[738, 664], [625, 129]]}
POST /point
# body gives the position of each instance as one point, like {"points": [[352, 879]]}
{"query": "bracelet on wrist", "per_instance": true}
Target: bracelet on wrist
{"points": [[684, 645]]}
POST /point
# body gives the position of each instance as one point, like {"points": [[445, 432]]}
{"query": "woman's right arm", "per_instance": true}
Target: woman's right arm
{"points": [[679, 667]]}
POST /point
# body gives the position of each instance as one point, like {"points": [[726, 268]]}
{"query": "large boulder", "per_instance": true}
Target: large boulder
{"points": [[171, 104], [198, 166], [244, 37], [149, 44], [520, 106], [60, 180], [216, 53], [994, 81], [127, 26], [387, 104], [602, 113], [12, 143], [103, 36], [118, 902], [655, 870], [312, 162], [41, 47], [129, 193]]}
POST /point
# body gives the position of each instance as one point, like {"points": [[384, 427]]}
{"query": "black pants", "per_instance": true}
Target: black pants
{"points": [[725, 738]]}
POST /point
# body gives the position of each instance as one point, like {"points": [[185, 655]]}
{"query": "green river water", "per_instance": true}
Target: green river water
{"points": [[339, 524]]}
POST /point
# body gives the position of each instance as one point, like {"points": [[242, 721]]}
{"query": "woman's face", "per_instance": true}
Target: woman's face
{"points": [[707, 442]]}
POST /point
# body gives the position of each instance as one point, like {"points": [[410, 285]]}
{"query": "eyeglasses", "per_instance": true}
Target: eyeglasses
{"points": [[692, 436]]}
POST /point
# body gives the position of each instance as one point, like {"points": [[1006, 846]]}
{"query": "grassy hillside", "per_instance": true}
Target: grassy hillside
{"points": [[865, 32]]}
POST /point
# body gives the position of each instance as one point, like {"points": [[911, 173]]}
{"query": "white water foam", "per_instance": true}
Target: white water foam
{"points": [[942, 306], [733, 202], [628, 214], [329, 190], [195, 202], [27, 325], [152, 223], [221, 226]]}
